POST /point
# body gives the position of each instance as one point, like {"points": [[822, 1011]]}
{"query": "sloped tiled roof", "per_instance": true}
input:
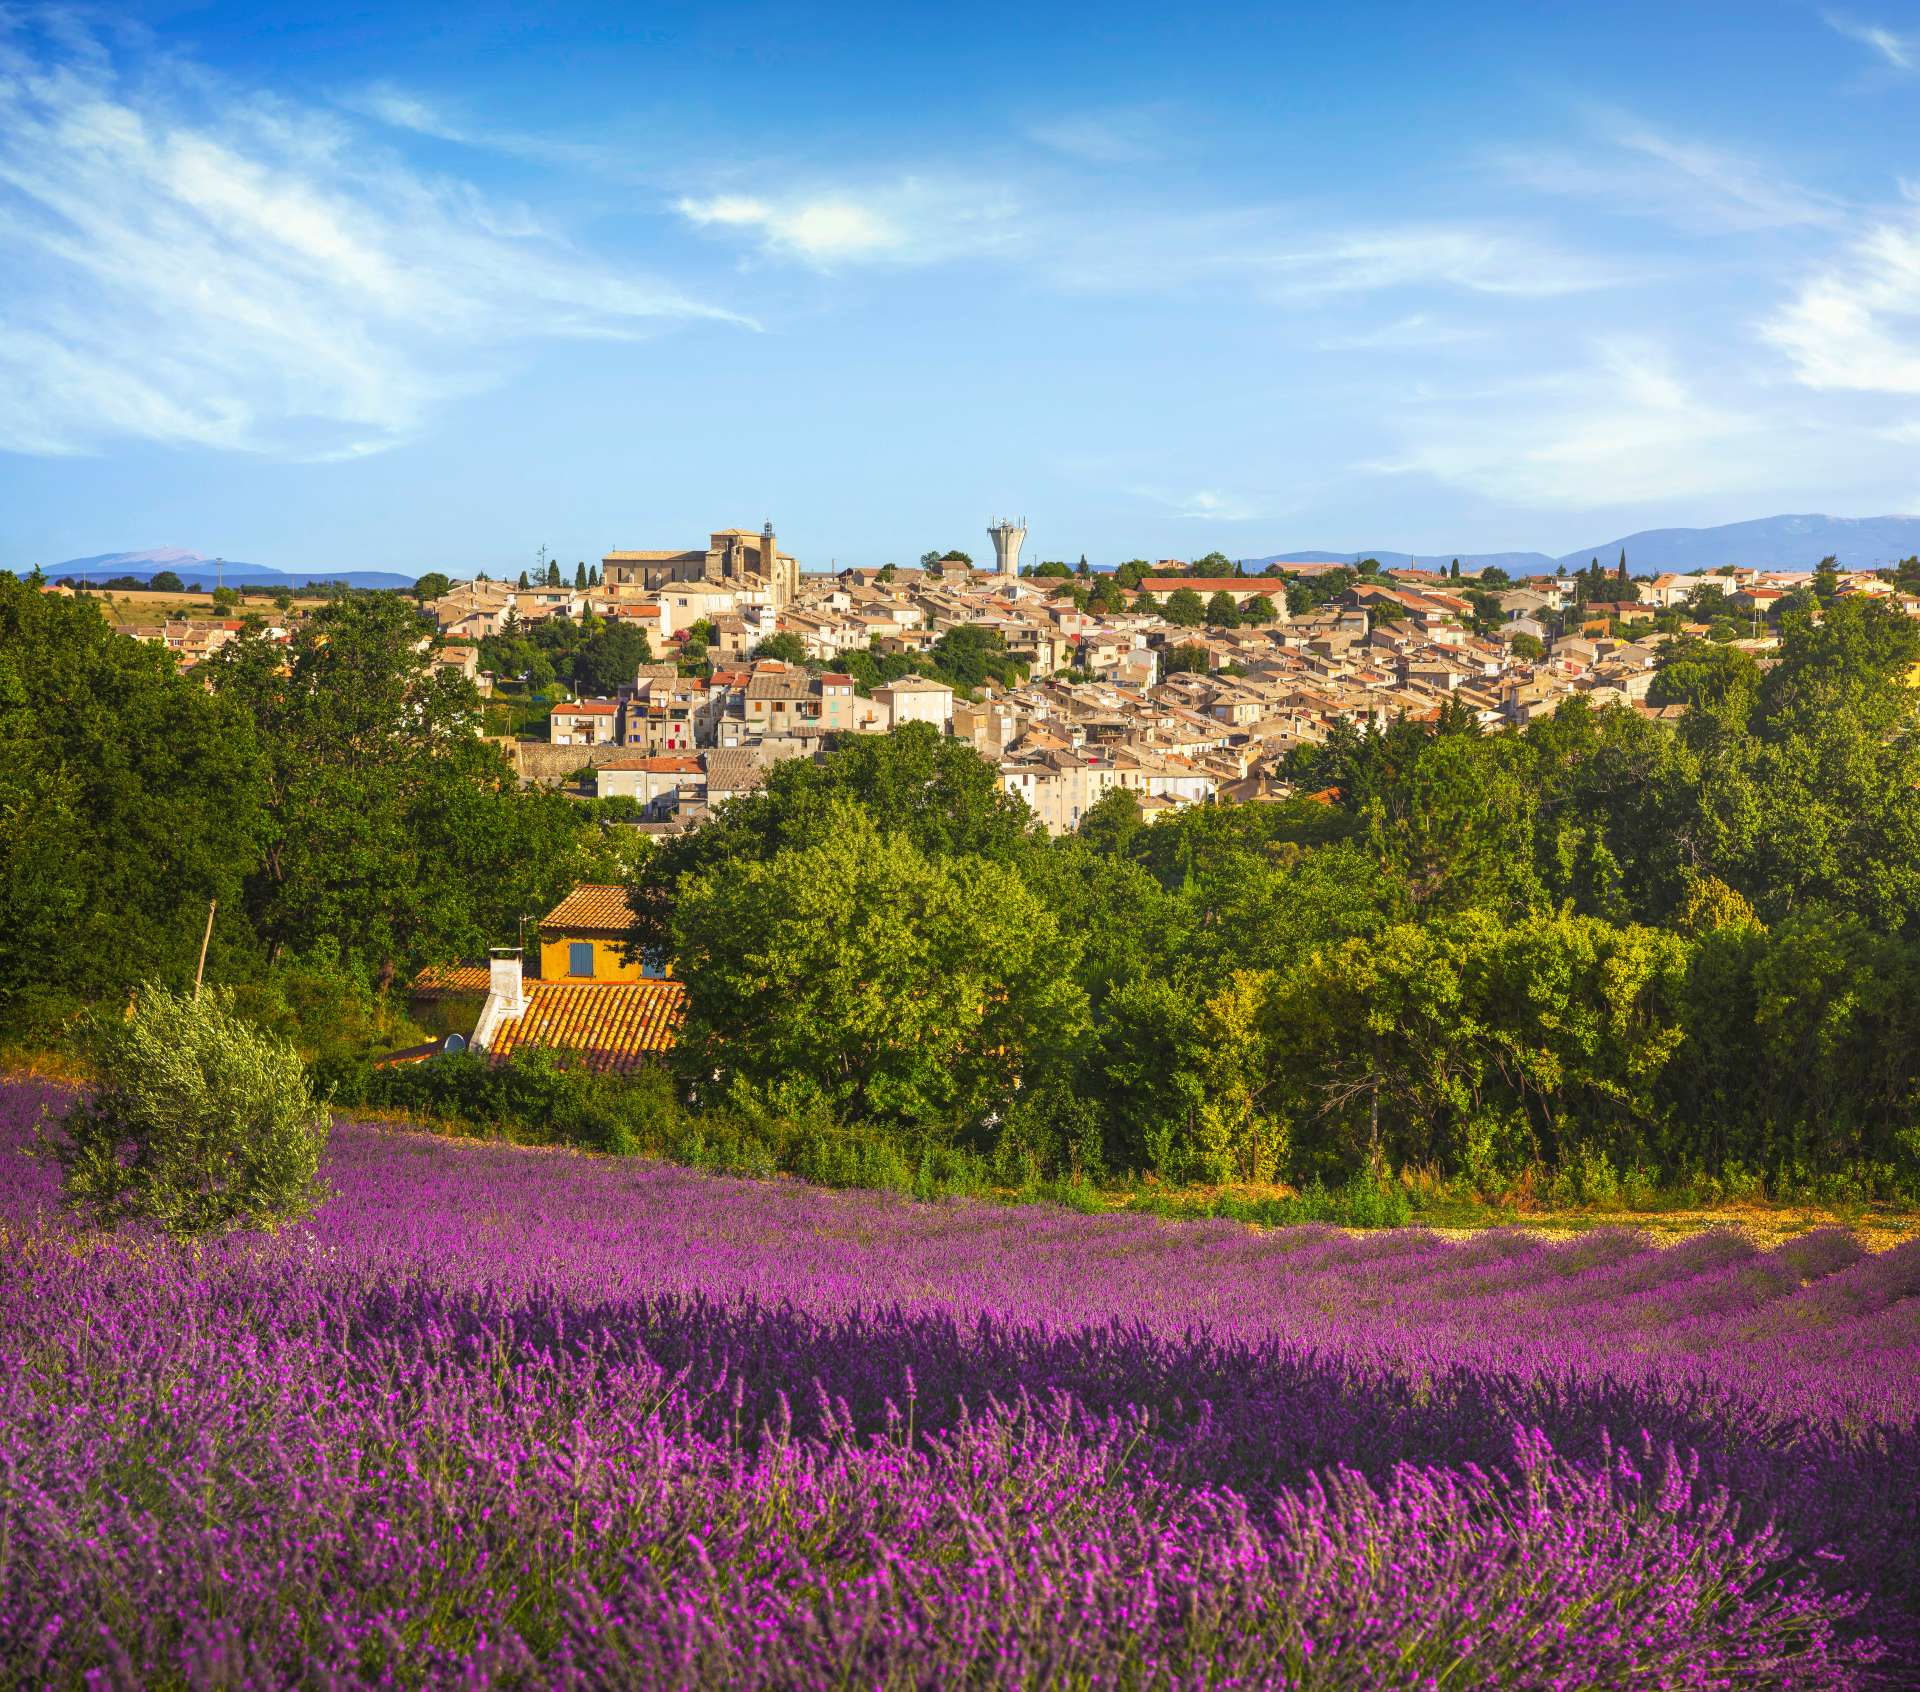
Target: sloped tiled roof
{"points": [[452, 978], [595, 905], [734, 769], [611, 1027]]}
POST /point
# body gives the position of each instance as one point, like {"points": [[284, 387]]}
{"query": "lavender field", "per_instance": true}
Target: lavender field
{"points": [[501, 1417]]}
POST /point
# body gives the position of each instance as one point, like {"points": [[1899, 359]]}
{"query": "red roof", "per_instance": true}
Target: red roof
{"points": [[588, 708], [1212, 584], [610, 1026], [452, 978]]}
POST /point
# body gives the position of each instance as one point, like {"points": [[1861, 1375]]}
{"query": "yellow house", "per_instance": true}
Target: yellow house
{"points": [[581, 938]]}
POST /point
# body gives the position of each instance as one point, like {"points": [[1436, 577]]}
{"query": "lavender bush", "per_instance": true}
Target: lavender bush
{"points": [[505, 1417]]}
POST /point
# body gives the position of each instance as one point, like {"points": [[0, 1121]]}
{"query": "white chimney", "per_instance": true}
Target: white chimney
{"points": [[506, 995]]}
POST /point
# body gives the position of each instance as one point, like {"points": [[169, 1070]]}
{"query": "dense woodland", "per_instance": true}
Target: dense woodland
{"points": [[1604, 949], [336, 799]]}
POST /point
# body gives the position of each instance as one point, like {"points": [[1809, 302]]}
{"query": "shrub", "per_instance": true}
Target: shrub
{"points": [[198, 1122]]}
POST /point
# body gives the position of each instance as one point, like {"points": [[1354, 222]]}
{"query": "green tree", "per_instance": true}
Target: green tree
{"points": [[610, 659], [129, 799], [225, 599], [967, 655], [1258, 611], [1476, 1046], [1702, 676], [1111, 821], [394, 834], [580, 575], [788, 648], [1188, 658], [431, 586], [1528, 648], [1185, 609], [937, 791], [166, 581], [198, 1122], [1222, 611], [1454, 821], [894, 987]]}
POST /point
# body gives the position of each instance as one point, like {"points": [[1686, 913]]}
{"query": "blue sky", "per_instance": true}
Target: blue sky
{"points": [[420, 288]]}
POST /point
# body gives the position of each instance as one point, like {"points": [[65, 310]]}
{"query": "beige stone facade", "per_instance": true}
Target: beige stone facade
{"points": [[734, 558]]}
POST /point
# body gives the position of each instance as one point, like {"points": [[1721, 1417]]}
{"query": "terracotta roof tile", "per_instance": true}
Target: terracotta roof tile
{"points": [[452, 978], [612, 1027], [594, 905]]}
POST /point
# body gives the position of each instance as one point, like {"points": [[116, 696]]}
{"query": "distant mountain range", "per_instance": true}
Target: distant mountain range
{"points": [[1779, 543], [193, 567]]}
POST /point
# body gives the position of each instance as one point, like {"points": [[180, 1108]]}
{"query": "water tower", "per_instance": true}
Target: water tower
{"points": [[1006, 536]]}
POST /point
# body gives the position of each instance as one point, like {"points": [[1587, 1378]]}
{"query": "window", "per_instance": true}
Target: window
{"points": [[580, 957]]}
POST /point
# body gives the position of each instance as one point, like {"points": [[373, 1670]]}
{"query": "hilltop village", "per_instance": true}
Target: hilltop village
{"points": [[1181, 682]]}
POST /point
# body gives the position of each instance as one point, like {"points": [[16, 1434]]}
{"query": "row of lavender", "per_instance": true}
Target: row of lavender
{"points": [[502, 1416]]}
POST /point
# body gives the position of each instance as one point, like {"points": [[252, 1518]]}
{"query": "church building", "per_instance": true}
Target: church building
{"points": [[734, 558]]}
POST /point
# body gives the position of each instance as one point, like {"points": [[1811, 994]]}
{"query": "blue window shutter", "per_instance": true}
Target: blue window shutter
{"points": [[580, 957]]}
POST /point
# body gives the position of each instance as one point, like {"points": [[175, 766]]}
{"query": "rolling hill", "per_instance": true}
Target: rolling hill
{"points": [[193, 567]]}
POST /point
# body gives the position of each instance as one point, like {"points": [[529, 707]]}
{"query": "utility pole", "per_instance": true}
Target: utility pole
{"points": [[199, 974]]}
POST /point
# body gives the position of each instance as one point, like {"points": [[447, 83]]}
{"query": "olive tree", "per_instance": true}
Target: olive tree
{"points": [[198, 1122]]}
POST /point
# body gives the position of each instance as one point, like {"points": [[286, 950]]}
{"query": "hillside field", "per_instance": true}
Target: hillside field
{"points": [[517, 1417]]}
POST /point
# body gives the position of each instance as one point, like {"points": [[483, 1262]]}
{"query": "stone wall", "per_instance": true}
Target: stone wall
{"points": [[539, 765]]}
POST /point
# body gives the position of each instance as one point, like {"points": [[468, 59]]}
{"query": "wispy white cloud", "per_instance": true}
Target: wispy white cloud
{"points": [[1414, 332], [405, 109], [1625, 428], [1902, 52], [1132, 136], [1209, 505], [1856, 323], [195, 263], [1475, 258], [1693, 185], [909, 220], [1117, 247], [400, 109]]}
